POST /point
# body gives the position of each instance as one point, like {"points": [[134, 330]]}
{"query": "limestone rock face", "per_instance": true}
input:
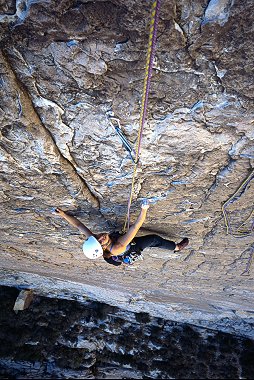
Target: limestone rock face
{"points": [[65, 67]]}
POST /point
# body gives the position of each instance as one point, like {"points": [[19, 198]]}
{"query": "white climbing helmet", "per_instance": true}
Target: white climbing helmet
{"points": [[92, 248]]}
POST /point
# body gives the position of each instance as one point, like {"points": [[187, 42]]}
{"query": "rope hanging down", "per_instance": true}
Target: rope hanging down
{"points": [[240, 232], [147, 81]]}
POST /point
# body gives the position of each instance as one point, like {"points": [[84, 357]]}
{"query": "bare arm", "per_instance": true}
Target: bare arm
{"points": [[133, 230], [74, 222]]}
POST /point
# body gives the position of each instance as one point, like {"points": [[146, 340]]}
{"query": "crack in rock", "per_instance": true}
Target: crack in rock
{"points": [[35, 117]]}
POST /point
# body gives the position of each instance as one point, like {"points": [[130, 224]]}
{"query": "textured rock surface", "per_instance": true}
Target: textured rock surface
{"points": [[64, 65], [64, 339]]}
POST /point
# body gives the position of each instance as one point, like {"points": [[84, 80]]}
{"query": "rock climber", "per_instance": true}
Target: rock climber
{"points": [[119, 248]]}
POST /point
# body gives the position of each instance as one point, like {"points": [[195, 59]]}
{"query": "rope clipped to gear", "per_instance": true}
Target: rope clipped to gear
{"points": [[239, 232], [147, 82]]}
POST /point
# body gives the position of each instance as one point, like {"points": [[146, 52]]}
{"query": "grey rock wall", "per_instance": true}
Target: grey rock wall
{"points": [[64, 66]]}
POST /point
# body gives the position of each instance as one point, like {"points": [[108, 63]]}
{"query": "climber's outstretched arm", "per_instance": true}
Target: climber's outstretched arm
{"points": [[133, 230], [74, 222]]}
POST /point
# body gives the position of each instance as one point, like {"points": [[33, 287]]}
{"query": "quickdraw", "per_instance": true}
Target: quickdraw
{"points": [[239, 233], [115, 123]]}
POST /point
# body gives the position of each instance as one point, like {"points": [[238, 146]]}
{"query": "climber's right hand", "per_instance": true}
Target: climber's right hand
{"points": [[145, 204], [58, 211]]}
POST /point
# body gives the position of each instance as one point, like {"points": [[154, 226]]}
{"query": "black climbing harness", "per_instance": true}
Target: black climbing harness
{"points": [[129, 257], [133, 253]]}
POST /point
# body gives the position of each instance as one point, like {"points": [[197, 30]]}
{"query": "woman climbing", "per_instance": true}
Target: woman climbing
{"points": [[116, 248]]}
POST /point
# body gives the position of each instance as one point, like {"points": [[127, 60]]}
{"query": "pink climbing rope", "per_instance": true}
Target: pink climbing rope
{"points": [[147, 82]]}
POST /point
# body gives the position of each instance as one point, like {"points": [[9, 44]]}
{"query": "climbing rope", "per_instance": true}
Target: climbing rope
{"points": [[147, 81], [239, 231]]}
